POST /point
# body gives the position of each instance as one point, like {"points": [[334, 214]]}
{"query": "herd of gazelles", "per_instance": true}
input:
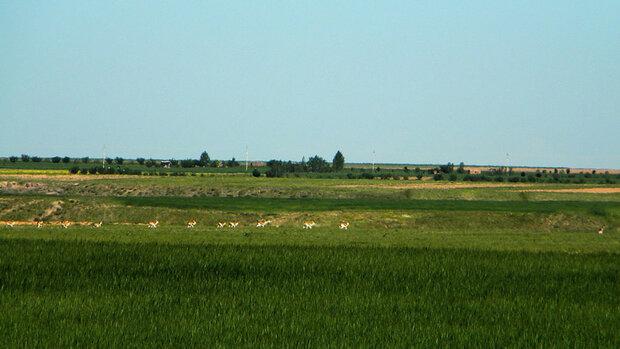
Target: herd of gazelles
{"points": [[154, 224]]}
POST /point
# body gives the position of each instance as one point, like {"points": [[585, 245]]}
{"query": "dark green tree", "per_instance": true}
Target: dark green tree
{"points": [[317, 164], [204, 159], [232, 163], [338, 162]]}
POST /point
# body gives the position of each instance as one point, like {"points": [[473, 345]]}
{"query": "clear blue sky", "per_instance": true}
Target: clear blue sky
{"points": [[417, 81]]}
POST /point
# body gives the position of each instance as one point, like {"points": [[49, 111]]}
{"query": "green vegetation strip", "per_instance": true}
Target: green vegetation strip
{"points": [[61, 294], [309, 204]]}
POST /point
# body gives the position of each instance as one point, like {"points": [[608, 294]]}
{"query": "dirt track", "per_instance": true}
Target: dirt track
{"points": [[436, 185], [579, 190]]}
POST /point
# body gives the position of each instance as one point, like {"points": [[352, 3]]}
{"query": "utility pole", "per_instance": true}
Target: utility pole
{"points": [[507, 162], [247, 158], [373, 160]]}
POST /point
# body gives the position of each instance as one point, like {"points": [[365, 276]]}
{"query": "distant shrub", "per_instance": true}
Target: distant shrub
{"points": [[368, 175], [13, 158], [453, 177], [419, 175], [119, 160], [25, 158], [499, 179], [256, 173], [84, 170], [56, 159], [513, 179], [140, 161], [85, 159], [36, 159], [66, 159], [108, 161], [189, 163], [74, 170], [230, 163], [438, 176], [350, 175]]}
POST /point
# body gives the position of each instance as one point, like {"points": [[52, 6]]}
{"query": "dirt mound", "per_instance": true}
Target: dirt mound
{"points": [[52, 210]]}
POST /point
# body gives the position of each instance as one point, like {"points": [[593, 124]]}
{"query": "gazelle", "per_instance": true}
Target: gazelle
{"points": [[153, 224], [98, 225], [39, 224], [221, 224], [191, 223], [344, 225], [262, 223], [233, 224], [309, 225], [600, 231], [66, 224], [10, 224]]}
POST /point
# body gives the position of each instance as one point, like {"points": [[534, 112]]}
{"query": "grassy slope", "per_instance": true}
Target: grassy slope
{"points": [[481, 238], [82, 293], [498, 269]]}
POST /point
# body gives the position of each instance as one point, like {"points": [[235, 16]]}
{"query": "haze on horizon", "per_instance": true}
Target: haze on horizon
{"points": [[417, 82]]}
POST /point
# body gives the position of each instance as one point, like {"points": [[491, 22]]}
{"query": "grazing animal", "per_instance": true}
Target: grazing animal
{"points": [[309, 225], [221, 224], [39, 224], [600, 231], [191, 223], [66, 224], [344, 225], [233, 224], [98, 225], [262, 223], [11, 224], [153, 224]]}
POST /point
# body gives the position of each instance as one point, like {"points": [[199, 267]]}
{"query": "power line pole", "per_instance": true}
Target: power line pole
{"points": [[247, 158], [373, 160]]}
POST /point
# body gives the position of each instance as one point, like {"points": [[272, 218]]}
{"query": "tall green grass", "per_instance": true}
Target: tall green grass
{"points": [[55, 293]]}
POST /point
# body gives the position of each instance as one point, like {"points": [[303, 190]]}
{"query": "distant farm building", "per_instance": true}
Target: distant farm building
{"points": [[166, 164]]}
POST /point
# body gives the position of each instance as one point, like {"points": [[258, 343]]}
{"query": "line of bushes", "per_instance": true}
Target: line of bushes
{"points": [[102, 170]]}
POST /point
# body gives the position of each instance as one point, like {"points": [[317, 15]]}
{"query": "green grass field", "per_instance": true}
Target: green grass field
{"points": [[430, 265]]}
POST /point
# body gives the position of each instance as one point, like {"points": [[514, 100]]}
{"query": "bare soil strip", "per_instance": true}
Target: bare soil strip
{"points": [[436, 185], [578, 190]]}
